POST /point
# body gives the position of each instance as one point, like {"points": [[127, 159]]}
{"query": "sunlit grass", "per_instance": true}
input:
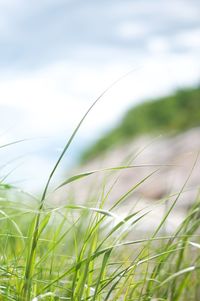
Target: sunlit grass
{"points": [[76, 251], [81, 252]]}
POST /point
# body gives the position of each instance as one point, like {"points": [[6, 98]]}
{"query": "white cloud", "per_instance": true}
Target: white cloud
{"points": [[131, 30], [54, 99], [188, 38], [158, 44]]}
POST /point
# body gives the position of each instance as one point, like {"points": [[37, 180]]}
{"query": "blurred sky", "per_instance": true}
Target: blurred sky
{"points": [[57, 56]]}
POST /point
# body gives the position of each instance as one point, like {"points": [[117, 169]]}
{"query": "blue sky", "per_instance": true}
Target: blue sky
{"points": [[56, 56]]}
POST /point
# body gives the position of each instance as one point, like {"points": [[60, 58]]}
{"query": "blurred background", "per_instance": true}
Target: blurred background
{"points": [[57, 56]]}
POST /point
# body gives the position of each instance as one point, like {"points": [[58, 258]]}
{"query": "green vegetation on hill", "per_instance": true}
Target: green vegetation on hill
{"points": [[171, 114]]}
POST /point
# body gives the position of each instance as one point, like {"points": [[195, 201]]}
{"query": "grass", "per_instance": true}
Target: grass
{"points": [[89, 253], [82, 251]]}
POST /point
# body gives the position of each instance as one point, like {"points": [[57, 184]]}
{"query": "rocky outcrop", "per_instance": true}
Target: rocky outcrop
{"points": [[172, 162]]}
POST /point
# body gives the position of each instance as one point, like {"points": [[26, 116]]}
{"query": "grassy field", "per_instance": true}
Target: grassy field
{"points": [[81, 252], [77, 252]]}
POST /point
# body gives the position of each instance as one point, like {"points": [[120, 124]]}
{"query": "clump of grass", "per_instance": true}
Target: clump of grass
{"points": [[84, 253], [80, 252]]}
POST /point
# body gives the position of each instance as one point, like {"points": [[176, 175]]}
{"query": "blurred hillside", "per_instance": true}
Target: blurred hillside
{"points": [[167, 166], [162, 169], [169, 115]]}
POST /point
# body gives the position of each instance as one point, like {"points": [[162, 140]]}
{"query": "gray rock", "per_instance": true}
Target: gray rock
{"points": [[174, 159]]}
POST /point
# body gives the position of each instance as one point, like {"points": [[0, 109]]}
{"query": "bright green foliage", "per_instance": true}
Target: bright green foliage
{"points": [[171, 114], [84, 251]]}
